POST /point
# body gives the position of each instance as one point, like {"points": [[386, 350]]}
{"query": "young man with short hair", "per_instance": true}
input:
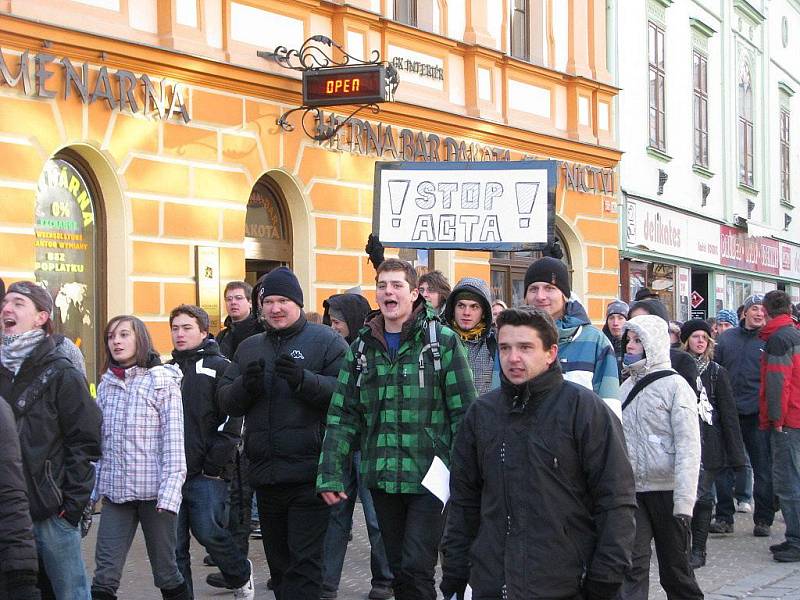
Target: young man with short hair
{"points": [[210, 440], [779, 414], [242, 321], [403, 389], [543, 501], [585, 354], [59, 431], [281, 382]]}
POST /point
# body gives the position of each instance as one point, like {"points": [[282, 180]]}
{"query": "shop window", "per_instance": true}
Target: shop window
{"points": [[659, 277], [736, 291], [786, 195], [508, 273], [700, 77], [405, 11], [67, 265], [657, 91], [520, 29], [745, 132]]}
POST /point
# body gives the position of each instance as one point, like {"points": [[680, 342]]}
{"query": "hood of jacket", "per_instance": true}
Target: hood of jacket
{"points": [[653, 332], [354, 307], [774, 324], [208, 347], [475, 286]]}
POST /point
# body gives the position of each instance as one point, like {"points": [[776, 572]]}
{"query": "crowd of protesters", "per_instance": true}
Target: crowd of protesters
{"points": [[570, 451]]}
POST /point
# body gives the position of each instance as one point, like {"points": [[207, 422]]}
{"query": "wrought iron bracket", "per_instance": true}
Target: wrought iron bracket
{"points": [[311, 56]]}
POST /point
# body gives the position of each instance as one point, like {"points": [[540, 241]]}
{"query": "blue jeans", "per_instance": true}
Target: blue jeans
{"points": [[204, 511], [59, 546], [786, 479], [757, 443], [339, 526]]}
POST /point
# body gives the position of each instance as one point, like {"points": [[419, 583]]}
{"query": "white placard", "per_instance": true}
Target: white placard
{"points": [[473, 206], [437, 480]]}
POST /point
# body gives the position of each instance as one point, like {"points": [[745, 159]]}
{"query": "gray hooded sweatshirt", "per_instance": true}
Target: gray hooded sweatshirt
{"points": [[662, 431]]}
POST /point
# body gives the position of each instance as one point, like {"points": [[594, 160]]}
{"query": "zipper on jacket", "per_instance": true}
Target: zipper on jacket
{"points": [[505, 487]]}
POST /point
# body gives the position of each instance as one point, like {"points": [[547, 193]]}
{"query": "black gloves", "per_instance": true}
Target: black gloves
{"points": [[452, 585], [553, 250], [286, 368], [253, 378], [600, 590], [375, 250]]}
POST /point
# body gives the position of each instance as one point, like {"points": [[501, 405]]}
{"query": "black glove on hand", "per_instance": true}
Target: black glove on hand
{"points": [[453, 585], [375, 250], [253, 378], [286, 368], [600, 590]]}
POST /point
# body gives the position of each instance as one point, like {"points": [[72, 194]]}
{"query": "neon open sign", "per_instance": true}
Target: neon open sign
{"points": [[344, 85]]}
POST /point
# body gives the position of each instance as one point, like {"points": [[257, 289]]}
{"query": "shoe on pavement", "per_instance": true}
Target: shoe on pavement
{"points": [[791, 554], [380, 592], [697, 559], [720, 527], [247, 591], [269, 584], [762, 530], [208, 561], [743, 506], [218, 581], [256, 534], [779, 547], [329, 595]]}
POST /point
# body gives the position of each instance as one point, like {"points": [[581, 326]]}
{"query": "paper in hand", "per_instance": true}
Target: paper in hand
{"points": [[437, 480]]}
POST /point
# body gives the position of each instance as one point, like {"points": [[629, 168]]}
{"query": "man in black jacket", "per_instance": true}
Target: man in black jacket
{"points": [[210, 439], [542, 493], [739, 350], [281, 381], [59, 434], [242, 321], [19, 565]]}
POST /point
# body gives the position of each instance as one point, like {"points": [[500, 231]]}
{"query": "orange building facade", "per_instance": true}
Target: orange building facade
{"points": [[140, 158]]}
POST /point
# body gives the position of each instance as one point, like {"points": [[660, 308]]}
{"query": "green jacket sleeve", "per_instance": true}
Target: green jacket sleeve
{"points": [[343, 425]]}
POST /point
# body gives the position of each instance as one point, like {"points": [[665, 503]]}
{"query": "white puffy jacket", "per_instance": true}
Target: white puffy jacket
{"points": [[662, 431]]}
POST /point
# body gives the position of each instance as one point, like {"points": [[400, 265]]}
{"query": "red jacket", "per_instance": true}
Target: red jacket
{"points": [[779, 398]]}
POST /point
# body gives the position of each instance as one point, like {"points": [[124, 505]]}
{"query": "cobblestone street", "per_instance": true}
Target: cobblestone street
{"points": [[739, 566]]}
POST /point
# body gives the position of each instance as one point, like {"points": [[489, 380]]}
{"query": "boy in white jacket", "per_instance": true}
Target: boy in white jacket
{"points": [[662, 433]]}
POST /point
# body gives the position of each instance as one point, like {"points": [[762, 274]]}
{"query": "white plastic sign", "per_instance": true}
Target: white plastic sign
{"points": [[470, 206]]}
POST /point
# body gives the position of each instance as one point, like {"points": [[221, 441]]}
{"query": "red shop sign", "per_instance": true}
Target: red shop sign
{"points": [[741, 251]]}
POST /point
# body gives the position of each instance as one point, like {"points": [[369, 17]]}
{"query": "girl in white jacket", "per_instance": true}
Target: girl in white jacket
{"points": [[659, 416], [143, 466]]}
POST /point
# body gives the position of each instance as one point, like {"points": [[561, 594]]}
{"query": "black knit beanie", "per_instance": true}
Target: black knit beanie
{"points": [[280, 282], [693, 325], [549, 270]]}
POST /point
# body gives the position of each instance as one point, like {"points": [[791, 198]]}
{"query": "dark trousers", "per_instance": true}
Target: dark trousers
{"points": [[294, 520], [654, 521], [241, 496], [339, 528], [411, 526], [703, 508], [204, 512], [758, 448]]}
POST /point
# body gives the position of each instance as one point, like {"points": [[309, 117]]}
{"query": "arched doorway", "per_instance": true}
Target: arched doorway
{"points": [[69, 230], [268, 230]]}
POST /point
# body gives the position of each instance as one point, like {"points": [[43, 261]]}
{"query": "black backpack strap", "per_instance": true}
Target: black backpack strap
{"points": [[644, 382]]}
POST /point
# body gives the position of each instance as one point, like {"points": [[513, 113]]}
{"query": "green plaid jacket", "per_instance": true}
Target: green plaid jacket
{"points": [[400, 424]]}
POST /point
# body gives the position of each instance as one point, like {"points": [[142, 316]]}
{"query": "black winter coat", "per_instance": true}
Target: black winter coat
{"points": [[209, 448], [283, 437], [59, 431], [17, 548], [542, 493], [739, 350], [235, 333], [722, 441]]}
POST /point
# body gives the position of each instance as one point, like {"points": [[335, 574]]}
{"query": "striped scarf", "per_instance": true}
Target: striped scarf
{"points": [[16, 348]]}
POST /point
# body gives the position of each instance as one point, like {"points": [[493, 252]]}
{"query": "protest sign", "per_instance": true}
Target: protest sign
{"points": [[468, 206]]}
